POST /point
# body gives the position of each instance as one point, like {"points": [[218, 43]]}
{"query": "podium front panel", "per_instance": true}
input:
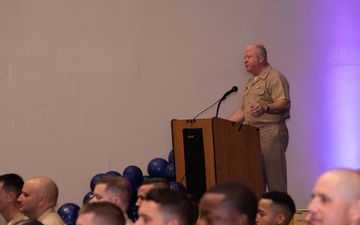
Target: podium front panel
{"points": [[178, 145], [194, 161]]}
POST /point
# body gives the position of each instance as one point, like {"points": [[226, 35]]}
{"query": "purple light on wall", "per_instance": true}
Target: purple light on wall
{"points": [[339, 78], [342, 134]]}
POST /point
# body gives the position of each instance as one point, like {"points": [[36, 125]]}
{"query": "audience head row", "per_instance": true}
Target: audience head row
{"points": [[335, 200]]}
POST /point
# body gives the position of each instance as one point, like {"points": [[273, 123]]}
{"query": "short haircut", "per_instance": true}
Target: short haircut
{"points": [[349, 182], [12, 183], [157, 182], [261, 50], [105, 213], [282, 200], [238, 197], [119, 186], [173, 204]]}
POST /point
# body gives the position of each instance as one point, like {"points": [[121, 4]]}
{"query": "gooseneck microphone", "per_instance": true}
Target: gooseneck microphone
{"points": [[232, 90]]}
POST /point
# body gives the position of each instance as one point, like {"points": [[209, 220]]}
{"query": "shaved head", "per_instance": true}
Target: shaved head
{"points": [[38, 194], [46, 187], [336, 199], [346, 182]]}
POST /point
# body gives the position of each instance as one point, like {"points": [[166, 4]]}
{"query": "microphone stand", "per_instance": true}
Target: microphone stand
{"points": [[218, 106], [234, 89], [206, 109]]}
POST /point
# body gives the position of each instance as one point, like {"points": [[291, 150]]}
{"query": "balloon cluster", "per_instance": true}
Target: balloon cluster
{"points": [[157, 167], [69, 213]]}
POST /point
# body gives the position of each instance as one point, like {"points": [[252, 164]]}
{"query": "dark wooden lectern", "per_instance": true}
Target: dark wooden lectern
{"points": [[212, 151]]}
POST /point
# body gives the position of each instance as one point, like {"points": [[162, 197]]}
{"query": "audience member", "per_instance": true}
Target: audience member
{"points": [[29, 222], [10, 189], [229, 203], [336, 199], [149, 184], [38, 199], [100, 213], [166, 206], [116, 190], [275, 208]]}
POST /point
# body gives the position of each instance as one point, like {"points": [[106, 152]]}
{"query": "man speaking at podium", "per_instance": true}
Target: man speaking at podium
{"points": [[266, 105]]}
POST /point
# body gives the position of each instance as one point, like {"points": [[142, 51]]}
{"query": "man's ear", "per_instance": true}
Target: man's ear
{"points": [[280, 218], [11, 196], [261, 58], [116, 200], [42, 200]]}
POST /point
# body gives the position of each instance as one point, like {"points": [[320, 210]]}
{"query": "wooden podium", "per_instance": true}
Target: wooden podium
{"points": [[212, 151]]}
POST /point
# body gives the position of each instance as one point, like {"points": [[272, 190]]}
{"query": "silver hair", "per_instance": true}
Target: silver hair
{"points": [[261, 50]]}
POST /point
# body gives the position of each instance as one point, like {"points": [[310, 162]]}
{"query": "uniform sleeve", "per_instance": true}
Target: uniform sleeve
{"points": [[279, 88]]}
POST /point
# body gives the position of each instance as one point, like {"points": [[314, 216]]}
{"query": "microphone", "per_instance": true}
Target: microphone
{"points": [[233, 89]]}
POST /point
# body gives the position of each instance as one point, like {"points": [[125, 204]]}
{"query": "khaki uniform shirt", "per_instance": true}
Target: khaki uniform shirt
{"points": [[50, 217], [270, 86], [19, 217]]}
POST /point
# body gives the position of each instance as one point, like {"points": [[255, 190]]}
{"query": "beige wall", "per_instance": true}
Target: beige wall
{"points": [[90, 86]]}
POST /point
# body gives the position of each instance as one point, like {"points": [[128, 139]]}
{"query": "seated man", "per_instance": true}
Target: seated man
{"points": [[275, 208], [100, 213], [116, 190], [38, 199], [10, 189], [149, 184], [229, 203], [162, 206], [336, 199]]}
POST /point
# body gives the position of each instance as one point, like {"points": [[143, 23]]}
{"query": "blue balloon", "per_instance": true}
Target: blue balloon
{"points": [[95, 179], [133, 187], [169, 172], [171, 157], [131, 181], [132, 213], [145, 177], [69, 213], [135, 172], [113, 173], [87, 198], [177, 186], [156, 167]]}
